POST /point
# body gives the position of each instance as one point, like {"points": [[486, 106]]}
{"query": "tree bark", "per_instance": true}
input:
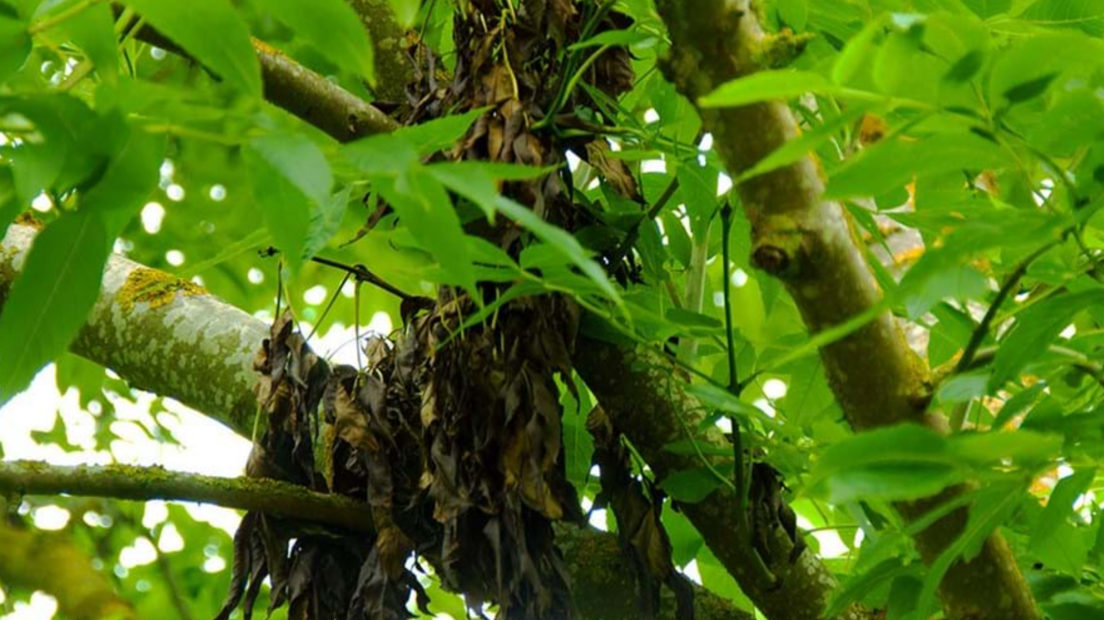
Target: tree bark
{"points": [[146, 483], [809, 243]]}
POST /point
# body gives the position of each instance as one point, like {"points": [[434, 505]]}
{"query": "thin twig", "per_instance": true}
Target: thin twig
{"points": [[363, 275], [982, 330], [634, 233]]}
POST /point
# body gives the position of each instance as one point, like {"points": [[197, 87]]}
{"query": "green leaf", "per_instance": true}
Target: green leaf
{"points": [[1087, 15], [992, 507], [15, 46], [690, 485], [1059, 508], [1030, 89], [613, 38], [93, 30], [291, 179], [563, 242], [406, 11], [212, 32], [325, 221], [963, 388], [284, 207], [9, 206], [381, 155], [299, 160], [795, 13], [950, 335], [891, 164], [720, 399], [793, 150], [44, 311], [896, 463], [1022, 447], [988, 8], [58, 435], [686, 541], [862, 584], [441, 133], [807, 394], [424, 207], [74, 147], [478, 181], [966, 67], [1018, 404], [1035, 330], [959, 282], [331, 26], [768, 86], [49, 301]]}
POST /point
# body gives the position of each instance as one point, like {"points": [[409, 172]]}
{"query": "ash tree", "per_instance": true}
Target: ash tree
{"points": [[805, 296]]}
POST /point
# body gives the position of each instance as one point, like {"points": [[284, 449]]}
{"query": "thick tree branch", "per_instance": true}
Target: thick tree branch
{"points": [[184, 344], [146, 483], [393, 67], [606, 590], [644, 396], [304, 93], [810, 244], [49, 562]]}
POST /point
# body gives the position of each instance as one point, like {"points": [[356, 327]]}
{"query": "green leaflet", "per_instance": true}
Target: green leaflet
{"points": [[894, 163], [292, 183], [333, 28], [94, 31], [15, 45], [767, 86], [190, 25], [1035, 329], [61, 278]]}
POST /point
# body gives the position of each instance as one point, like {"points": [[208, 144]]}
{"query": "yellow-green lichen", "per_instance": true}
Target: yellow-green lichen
{"points": [[153, 287], [778, 50]]}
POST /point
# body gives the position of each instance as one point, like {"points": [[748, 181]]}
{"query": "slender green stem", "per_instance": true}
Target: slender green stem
{"points": [[61, 17]]}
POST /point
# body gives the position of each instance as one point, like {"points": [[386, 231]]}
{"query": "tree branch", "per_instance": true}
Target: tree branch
{"points": [[644, 396], [146, 483], [594, 558], [809, 244], [303, 93]]}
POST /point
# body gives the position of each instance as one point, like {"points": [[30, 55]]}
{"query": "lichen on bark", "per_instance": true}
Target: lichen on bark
{"points": [[155, 288]]}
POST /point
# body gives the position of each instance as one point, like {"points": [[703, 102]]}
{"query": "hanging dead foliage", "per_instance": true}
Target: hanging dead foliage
{"points": [[638, 505], [452, 437]]}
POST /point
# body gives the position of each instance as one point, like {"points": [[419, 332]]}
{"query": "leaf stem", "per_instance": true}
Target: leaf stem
{"points": [[69, 13]]}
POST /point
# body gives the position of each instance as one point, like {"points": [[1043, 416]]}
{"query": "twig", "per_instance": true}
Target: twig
{"points": [[1076, 359], [146, 483], [982, 330], [634, 233], [363, 275]]}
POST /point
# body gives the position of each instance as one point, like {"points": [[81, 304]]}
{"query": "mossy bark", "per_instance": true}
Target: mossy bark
{"points": [[809, 244]]}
